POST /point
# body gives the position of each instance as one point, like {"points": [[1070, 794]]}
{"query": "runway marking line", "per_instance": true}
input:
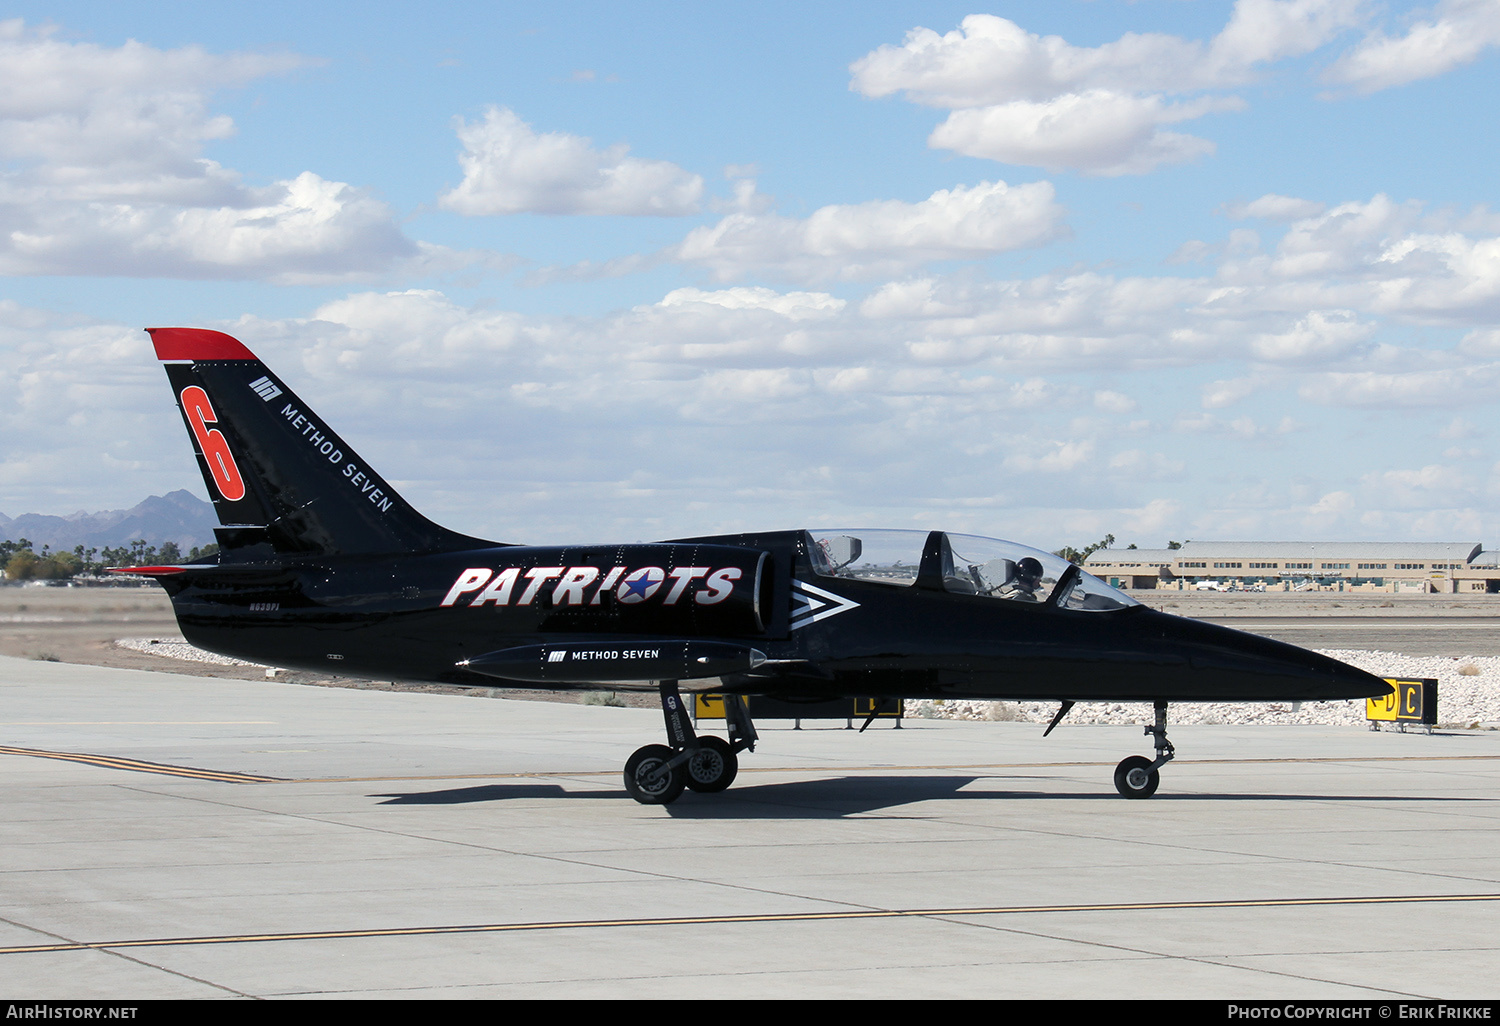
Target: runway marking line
{"points": [[784, 917], [139, 766]]}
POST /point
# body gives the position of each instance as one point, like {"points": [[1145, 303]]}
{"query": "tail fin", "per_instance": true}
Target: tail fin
{"points": [[280, 479]]}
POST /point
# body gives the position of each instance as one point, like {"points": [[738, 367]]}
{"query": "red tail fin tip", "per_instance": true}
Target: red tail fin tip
{"points": [[197, 344]]}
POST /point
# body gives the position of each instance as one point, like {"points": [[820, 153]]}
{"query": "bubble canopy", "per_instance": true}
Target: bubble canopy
{"points": [[962, 564]]}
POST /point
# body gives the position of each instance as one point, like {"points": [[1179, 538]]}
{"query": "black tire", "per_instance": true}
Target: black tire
{"points": [[1134, 777], [661, 791], [712, 767]]}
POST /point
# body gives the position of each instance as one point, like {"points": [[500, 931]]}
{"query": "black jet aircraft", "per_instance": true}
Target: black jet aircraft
{"points": [[323, 566]]}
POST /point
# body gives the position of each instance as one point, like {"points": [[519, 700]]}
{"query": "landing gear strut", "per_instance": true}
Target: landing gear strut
{"points": [[657, 774], [1139, 777]]}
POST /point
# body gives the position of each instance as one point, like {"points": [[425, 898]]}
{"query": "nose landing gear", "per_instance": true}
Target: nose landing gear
{"points": [[1138, 776], [657, 774]]}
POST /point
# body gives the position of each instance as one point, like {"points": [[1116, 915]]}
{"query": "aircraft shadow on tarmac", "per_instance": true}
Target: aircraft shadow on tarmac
{"points": [[490, 793], [833, 797], [824, 798], [836, 796]]}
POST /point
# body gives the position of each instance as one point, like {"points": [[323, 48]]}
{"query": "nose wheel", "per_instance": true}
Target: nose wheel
{"points": [[1135, 777], [1138, 776]]}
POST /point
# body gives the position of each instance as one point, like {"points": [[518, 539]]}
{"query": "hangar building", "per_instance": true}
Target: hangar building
{"points": [[1443, 567]]}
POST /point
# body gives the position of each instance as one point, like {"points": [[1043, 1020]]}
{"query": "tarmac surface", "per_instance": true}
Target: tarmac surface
{"points": [[170, 836]]}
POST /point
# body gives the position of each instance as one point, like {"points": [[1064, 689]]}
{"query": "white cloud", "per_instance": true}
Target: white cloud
{"points": [[1316, 301], [1260, 31], [745, 200], [1207, 424], [1458, 428], [881, 237], [1114, 402], [79, 395], [1443, 274], [1454, 33], [1318, 337], [510, 169], [794, 305], [304, 230], [421, 331], [44, 78], [990, 60], [1220, 394], [1057, 458], [1155, 517], [1444, 388], [1147, 466], [1026, 99], [1426, 487], [1375, 256], [1333, 503], [1098, 132], [101, 174], [1272, 207], [1383, 257], [1085, 319], [1484, 343]]}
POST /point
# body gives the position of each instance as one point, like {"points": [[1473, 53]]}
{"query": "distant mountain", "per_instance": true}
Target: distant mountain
{"points": [[178, 516]]}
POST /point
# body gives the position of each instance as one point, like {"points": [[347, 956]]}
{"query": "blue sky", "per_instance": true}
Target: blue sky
{"points": [[1163, 269]]}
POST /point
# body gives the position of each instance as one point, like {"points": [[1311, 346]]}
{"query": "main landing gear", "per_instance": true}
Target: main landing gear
{"points": [[657, 774], [1138, 776]]}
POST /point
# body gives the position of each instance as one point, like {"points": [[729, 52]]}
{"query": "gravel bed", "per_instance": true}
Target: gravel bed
{"points": [[172, 649]]}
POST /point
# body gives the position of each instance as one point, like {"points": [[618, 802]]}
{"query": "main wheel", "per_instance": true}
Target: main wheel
{"points": [[712, 767], [639, 769], [1134, 777]]}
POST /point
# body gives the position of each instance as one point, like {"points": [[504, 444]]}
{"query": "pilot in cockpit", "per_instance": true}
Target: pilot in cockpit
{"points": [[1023, 587]]}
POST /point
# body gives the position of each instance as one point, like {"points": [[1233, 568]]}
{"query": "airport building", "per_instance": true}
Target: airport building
{"points": [[1433, 567]]}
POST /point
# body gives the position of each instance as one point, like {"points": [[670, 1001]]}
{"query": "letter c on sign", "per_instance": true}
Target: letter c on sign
{"points": [[200, 413]]}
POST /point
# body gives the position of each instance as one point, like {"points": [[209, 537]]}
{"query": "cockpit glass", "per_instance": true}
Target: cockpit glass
{"points": [[967, 565], [1000, 569], [889, 557], [1087, 592]]}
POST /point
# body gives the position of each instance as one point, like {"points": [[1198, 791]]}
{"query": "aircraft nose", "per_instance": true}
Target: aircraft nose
{"points": [[1343, 680], [1227, 662]]}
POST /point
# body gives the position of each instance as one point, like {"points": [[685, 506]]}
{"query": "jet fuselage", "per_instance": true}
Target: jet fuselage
{"points": [[422, 617]]}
